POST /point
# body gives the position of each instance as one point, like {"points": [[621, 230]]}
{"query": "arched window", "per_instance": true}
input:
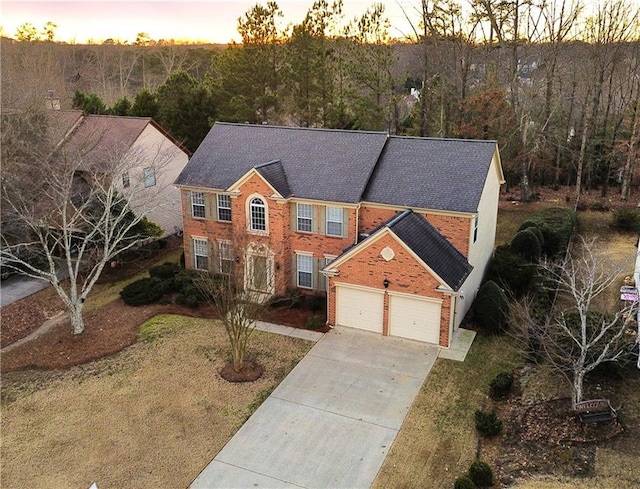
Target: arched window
{"points": [[258, 215]]}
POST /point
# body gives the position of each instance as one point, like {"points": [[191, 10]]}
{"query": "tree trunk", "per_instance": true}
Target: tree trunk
{"points": [[578, 378], [77, 321], [627, 172]]}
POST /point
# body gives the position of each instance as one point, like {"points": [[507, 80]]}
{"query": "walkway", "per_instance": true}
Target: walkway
{"points": [[331, 422]]}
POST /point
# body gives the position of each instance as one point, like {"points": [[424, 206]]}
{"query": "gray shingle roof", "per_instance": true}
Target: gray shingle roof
{"points": [[273, 173], [322, 164], [432, 248], [442, 174]]}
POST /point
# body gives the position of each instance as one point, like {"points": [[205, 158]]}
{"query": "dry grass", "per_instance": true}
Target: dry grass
{"points": [[438, 440], [151, 416]]}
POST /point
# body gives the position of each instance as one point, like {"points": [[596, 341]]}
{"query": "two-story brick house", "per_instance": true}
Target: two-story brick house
{"points": [[396, 230]]}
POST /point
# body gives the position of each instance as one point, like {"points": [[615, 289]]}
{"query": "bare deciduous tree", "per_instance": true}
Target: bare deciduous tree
{"points": [[574, 337], [236, 286], [71, 207]]}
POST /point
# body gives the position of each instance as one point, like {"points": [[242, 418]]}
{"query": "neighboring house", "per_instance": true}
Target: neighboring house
{"points": [[396, 230], [153, 159]]}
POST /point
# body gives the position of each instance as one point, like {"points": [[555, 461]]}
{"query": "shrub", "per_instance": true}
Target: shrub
{"points": [[463, 483], [315, 302], [488, 423], [526, 244], [557, 225], [627, 219], [491, 308], [166, 271], [188, 292], [534, 228], [143, 291], [292, 299], [510, 271], [481, 474], [500, 386], [315, 322]]}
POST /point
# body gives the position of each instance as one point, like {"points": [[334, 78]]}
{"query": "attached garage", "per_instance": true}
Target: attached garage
{"points": [[359, 308], [414, 318]]}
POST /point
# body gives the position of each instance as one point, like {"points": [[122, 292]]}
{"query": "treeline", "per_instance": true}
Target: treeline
{"points": [[559, 90]]}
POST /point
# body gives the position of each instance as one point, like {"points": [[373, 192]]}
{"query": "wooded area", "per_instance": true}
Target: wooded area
{"points": [[556, 83]]}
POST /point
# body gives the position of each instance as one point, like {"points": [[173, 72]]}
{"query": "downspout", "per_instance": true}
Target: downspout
{"points": [[357, 222]]}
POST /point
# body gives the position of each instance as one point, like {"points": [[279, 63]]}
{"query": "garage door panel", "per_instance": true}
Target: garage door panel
{"points": [[414, 318], [358, 308]]}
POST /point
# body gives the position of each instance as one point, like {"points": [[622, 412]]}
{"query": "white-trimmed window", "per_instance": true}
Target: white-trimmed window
{"points": [[305, 218], [226, 256], [224, 208], [149, 177], [475, 228], [327, 259], [200, 254], [125, 180], [305, 271], [334, 221], [198, 204], [258, 214]]}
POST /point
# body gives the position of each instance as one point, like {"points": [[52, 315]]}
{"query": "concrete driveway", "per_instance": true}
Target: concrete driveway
{"points": [[331, 422], [17, 287]]}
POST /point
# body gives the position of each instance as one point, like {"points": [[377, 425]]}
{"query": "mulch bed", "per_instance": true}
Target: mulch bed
{"points": [[109, 329]]}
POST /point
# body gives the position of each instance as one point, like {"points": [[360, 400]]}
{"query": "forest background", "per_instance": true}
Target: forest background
{"points": [[557, 85]]}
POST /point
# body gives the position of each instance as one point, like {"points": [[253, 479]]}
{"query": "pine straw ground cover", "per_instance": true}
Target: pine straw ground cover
{"points": [[152, 415]]}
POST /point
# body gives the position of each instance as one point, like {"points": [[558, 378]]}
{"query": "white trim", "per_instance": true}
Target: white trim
{"points": [[250, 199]]}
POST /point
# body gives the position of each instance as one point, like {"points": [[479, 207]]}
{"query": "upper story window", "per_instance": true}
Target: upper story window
{"points": [[198, 204], [334, 221], [305, 218], [149, 177], [258, 214], [125, 180], [224, 208], [200, 254]]}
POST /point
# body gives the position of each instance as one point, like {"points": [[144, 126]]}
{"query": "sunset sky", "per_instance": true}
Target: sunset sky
{"points": [[209, 20]]}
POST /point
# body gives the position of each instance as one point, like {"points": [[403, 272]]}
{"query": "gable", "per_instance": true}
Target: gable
{"points": [[428, 247]]}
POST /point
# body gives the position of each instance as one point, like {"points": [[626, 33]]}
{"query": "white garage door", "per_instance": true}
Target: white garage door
{"points": [[414, 318], [359, 308]]}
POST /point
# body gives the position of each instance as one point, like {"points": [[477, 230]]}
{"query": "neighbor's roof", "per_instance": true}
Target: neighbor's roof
{"points": [[427, 173], [432, 248], [346, 166], [322, 164]]}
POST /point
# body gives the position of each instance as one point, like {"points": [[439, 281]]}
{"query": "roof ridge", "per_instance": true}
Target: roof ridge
{"points": [[428, 138], [299, 128]]}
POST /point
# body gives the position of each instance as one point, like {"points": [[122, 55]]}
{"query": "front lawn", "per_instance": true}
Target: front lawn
{"points": [[152, 415]]}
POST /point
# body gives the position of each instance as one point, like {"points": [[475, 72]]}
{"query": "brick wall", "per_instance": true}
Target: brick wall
{"points": [[368, 268], [456, 229]]}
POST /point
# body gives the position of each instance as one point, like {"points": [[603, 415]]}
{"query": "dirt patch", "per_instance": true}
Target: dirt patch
{"points": [[248, 372]]}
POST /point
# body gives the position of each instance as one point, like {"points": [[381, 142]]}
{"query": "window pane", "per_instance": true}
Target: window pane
{"points": [[149, 177], [201, 254], [125, 180], [334, 221], [305, 270], [197, 201], [258, 218], [226, 257], [224, 208], [305, 220]]}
